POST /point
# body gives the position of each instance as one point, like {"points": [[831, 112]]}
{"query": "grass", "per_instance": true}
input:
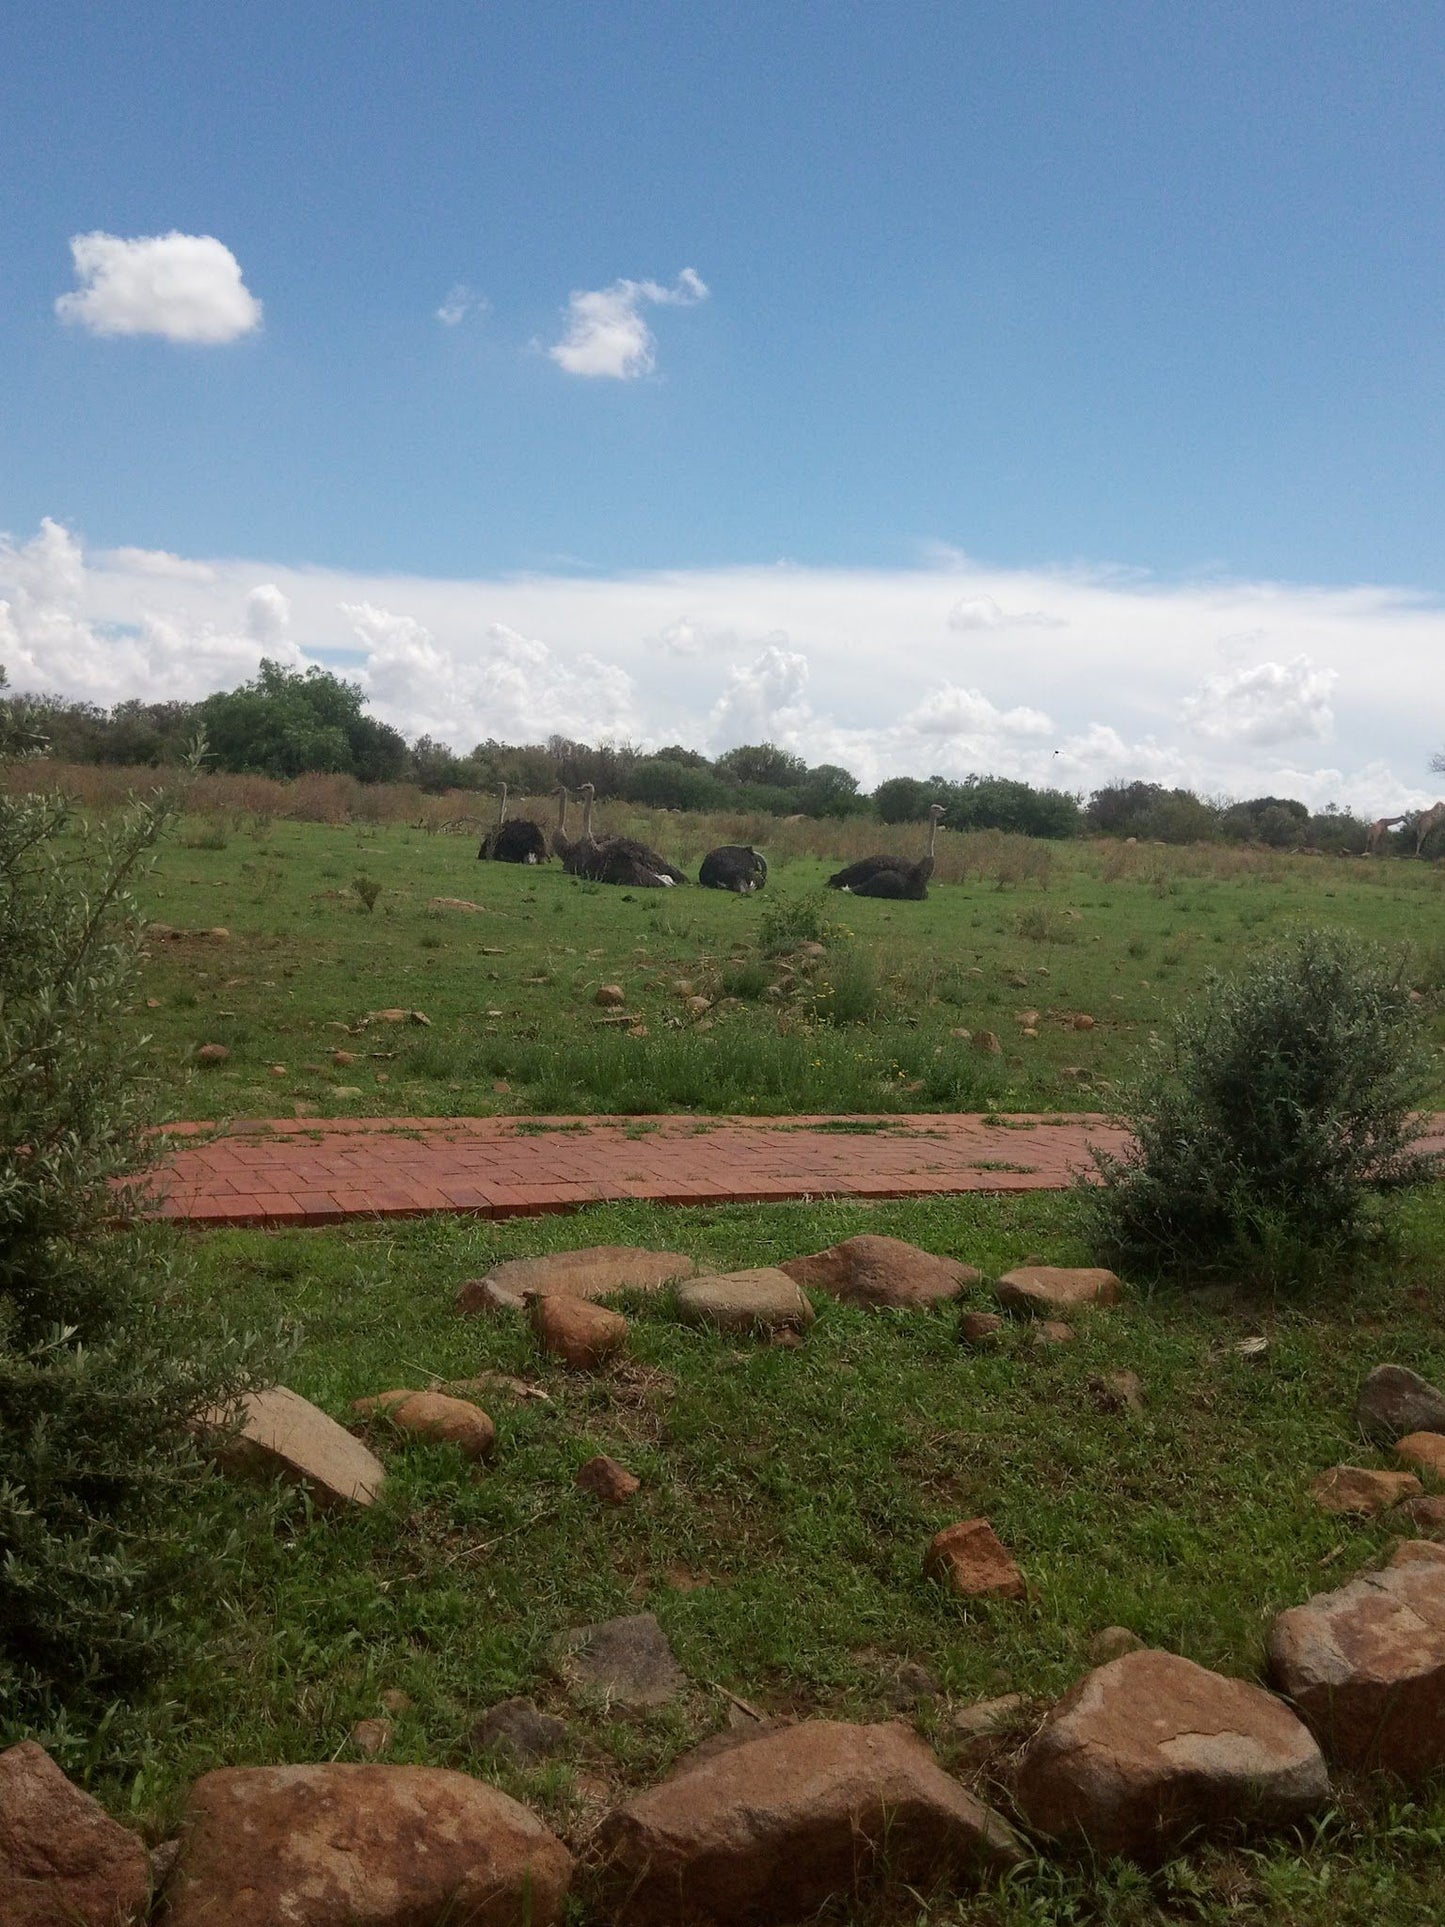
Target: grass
{"points": [[787, 1498], [1122, 934]]}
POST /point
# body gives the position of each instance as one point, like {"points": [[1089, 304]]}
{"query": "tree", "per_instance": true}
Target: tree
{"points": [[287, 722], [664, 784], [903, 799], [763, 766], [828, 790]]}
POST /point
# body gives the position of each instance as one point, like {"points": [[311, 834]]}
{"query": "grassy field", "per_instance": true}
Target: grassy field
{"points": [[1117, 933], [787, 1499]]}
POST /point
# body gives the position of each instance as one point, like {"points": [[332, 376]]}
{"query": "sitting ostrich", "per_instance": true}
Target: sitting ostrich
{"points": [[621, 859], [734, 866], [520, 841], [891, 876]]}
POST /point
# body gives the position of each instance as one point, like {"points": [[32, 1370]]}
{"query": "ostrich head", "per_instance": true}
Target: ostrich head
{"points": [[936, 814]]}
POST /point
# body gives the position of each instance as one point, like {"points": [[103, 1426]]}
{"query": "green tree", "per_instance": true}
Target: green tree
{"points": [[903, 799], [287, 722], [829, 790], [762, 766]]}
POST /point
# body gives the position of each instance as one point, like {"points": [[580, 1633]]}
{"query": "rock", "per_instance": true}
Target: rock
{"points": [[698, 1006], [908, 1686], [342, 1059], [346, 1090], [1356, 1489], [220, 934], [738, 1301], [397, 1702], [371, 1738], [881, 1273], [768, 1831], [493, 1385], [628, 1660], [1112, 1643], [1426, 1515], [582, 1335], [1151, 1748], [600, 1271], [981, 1328], [1425, 1451], [362, 1846], [1117, 1391], [212, 1054], [518, 1732], [987, 1042], [607, 1480], [1083, 1022], [1394, 1401], [610, 996], [434, 1416], [1040, 1289], [63, 1861], [981, 1723], [1366, 1665], [1051, 1331], [283, 1433], [974, 1562]]}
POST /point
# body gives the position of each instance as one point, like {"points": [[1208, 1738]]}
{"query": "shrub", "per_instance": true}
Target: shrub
{"points": [[102, 1371], [368, 889], [1287, 1111], [788, 921]]}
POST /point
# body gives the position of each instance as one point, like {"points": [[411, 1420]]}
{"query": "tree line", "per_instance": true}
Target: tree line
{"points": [[286, 723]]}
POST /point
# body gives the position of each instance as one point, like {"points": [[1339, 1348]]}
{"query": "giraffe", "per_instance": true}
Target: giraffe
{"points": [[1377, 833], [1427, 821]]}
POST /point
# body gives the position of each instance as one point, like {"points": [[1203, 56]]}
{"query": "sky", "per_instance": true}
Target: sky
{"points": [[1054, 389]]}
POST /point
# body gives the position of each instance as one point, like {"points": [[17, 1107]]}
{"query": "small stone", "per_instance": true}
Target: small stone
{"points": [[910, 1685], [518, 1732], [699, 1006], [981, 1328], [435, 1417], [1028, 1031], [1082, 1022], [986, 1716], [220, 934], [1395, 1401], [581, 1334], [987, 1042], [153, 1003], [1117, 1392], [212, 1054], [1425, 1451], [607, 1480], [628, 1660], [1426, 1515], [371, 1738], [881, 1273], [1040, 1289], [974, 1562], [278, 1431], [63, 1861], [597, 1271], [1357, 1490], [763, 1299], [347, 1091], [1112, 1643], [1051, 1331], [341, 1058], [610, 996], [278, 1070], [397, 1702]]}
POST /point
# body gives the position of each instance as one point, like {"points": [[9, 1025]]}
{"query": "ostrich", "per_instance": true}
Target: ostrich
{"points": [[1427, 821], [890, 876], [573, 850], [620, 859], [734, 866], [520, 841]]}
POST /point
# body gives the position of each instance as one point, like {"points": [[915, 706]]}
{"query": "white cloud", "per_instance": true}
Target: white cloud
{"points": [[461, 302], [951, 711], [268, 614], [186, 287], [764, 700], [606, 333], [1274, 702], [159, 562], [982, 612]]}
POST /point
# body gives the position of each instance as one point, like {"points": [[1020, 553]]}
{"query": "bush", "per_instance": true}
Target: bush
{"points": [[102, 1371], [787, 922], [1287, 1112]]}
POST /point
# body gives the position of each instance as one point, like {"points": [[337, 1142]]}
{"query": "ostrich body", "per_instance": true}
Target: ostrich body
{"points": [[621, 859], [891, 876], [734, 866], [520, 841]]}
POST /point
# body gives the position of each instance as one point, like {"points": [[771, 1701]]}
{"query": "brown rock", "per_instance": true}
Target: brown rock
{"points": [[1051, 1331], [987, 1042], [699, 1006], [434, 1416], [282, 1433], [63, 1861], [607, 1480], [1425, 1451], [1359, 1490], [610, 996], [1395, 1401], [767, 1831], [973, 1560], [1040, 1289], [981, 1328], [987, 1717], [397, 1702], [1366, 1665], [1117, 1391], [371, 1738], [881, 1273], [220, 934], [515, 1729], [1112, 1643], [601, 1271], [1426, 1515], [581, 1334], [1083, 1022], [212, 1054], [362, 1846], [626, 1660], [1151, 1748], [764, 1299]]}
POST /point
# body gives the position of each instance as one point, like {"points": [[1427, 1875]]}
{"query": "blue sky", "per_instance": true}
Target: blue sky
{"points": [[1059, 291]]}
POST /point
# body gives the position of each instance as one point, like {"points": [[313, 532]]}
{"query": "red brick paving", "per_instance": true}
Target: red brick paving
{"points": [[308, 1172]]}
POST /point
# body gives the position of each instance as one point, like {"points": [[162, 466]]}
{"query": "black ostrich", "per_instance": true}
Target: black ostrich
{"points": [[620, 859], [734, 866], [520, 841], [891, 876]]}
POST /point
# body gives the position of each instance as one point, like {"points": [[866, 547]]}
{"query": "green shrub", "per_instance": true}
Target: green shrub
{"points": [[368, 889], [1287, 1112], [102, 1370], [787, 922], [846, 990]]}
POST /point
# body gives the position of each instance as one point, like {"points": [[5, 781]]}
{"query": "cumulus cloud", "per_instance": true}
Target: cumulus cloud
{"points": [[607, 335], [764, 700], [160, 562], [1274, 702], [268, 614], [951, 711], [461, 302], [186, 287], [983, 612]]}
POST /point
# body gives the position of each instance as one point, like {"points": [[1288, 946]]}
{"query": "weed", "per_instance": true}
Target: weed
{"points": [[368, 889], [787, 922]]}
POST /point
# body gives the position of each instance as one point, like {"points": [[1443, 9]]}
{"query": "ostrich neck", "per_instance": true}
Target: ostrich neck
{"points": [[502, 807]]}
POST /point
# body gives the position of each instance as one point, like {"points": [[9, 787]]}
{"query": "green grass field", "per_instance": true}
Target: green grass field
{"points": [[1119, 934]]}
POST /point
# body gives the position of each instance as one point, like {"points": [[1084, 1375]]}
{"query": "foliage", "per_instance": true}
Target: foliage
{"points": [[1288, 1109], [368, 889], [286, 722], [787, 922], [100, 1370]]}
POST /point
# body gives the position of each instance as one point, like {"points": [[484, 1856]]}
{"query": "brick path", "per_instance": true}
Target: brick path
{"points": [[310, 1173]]}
